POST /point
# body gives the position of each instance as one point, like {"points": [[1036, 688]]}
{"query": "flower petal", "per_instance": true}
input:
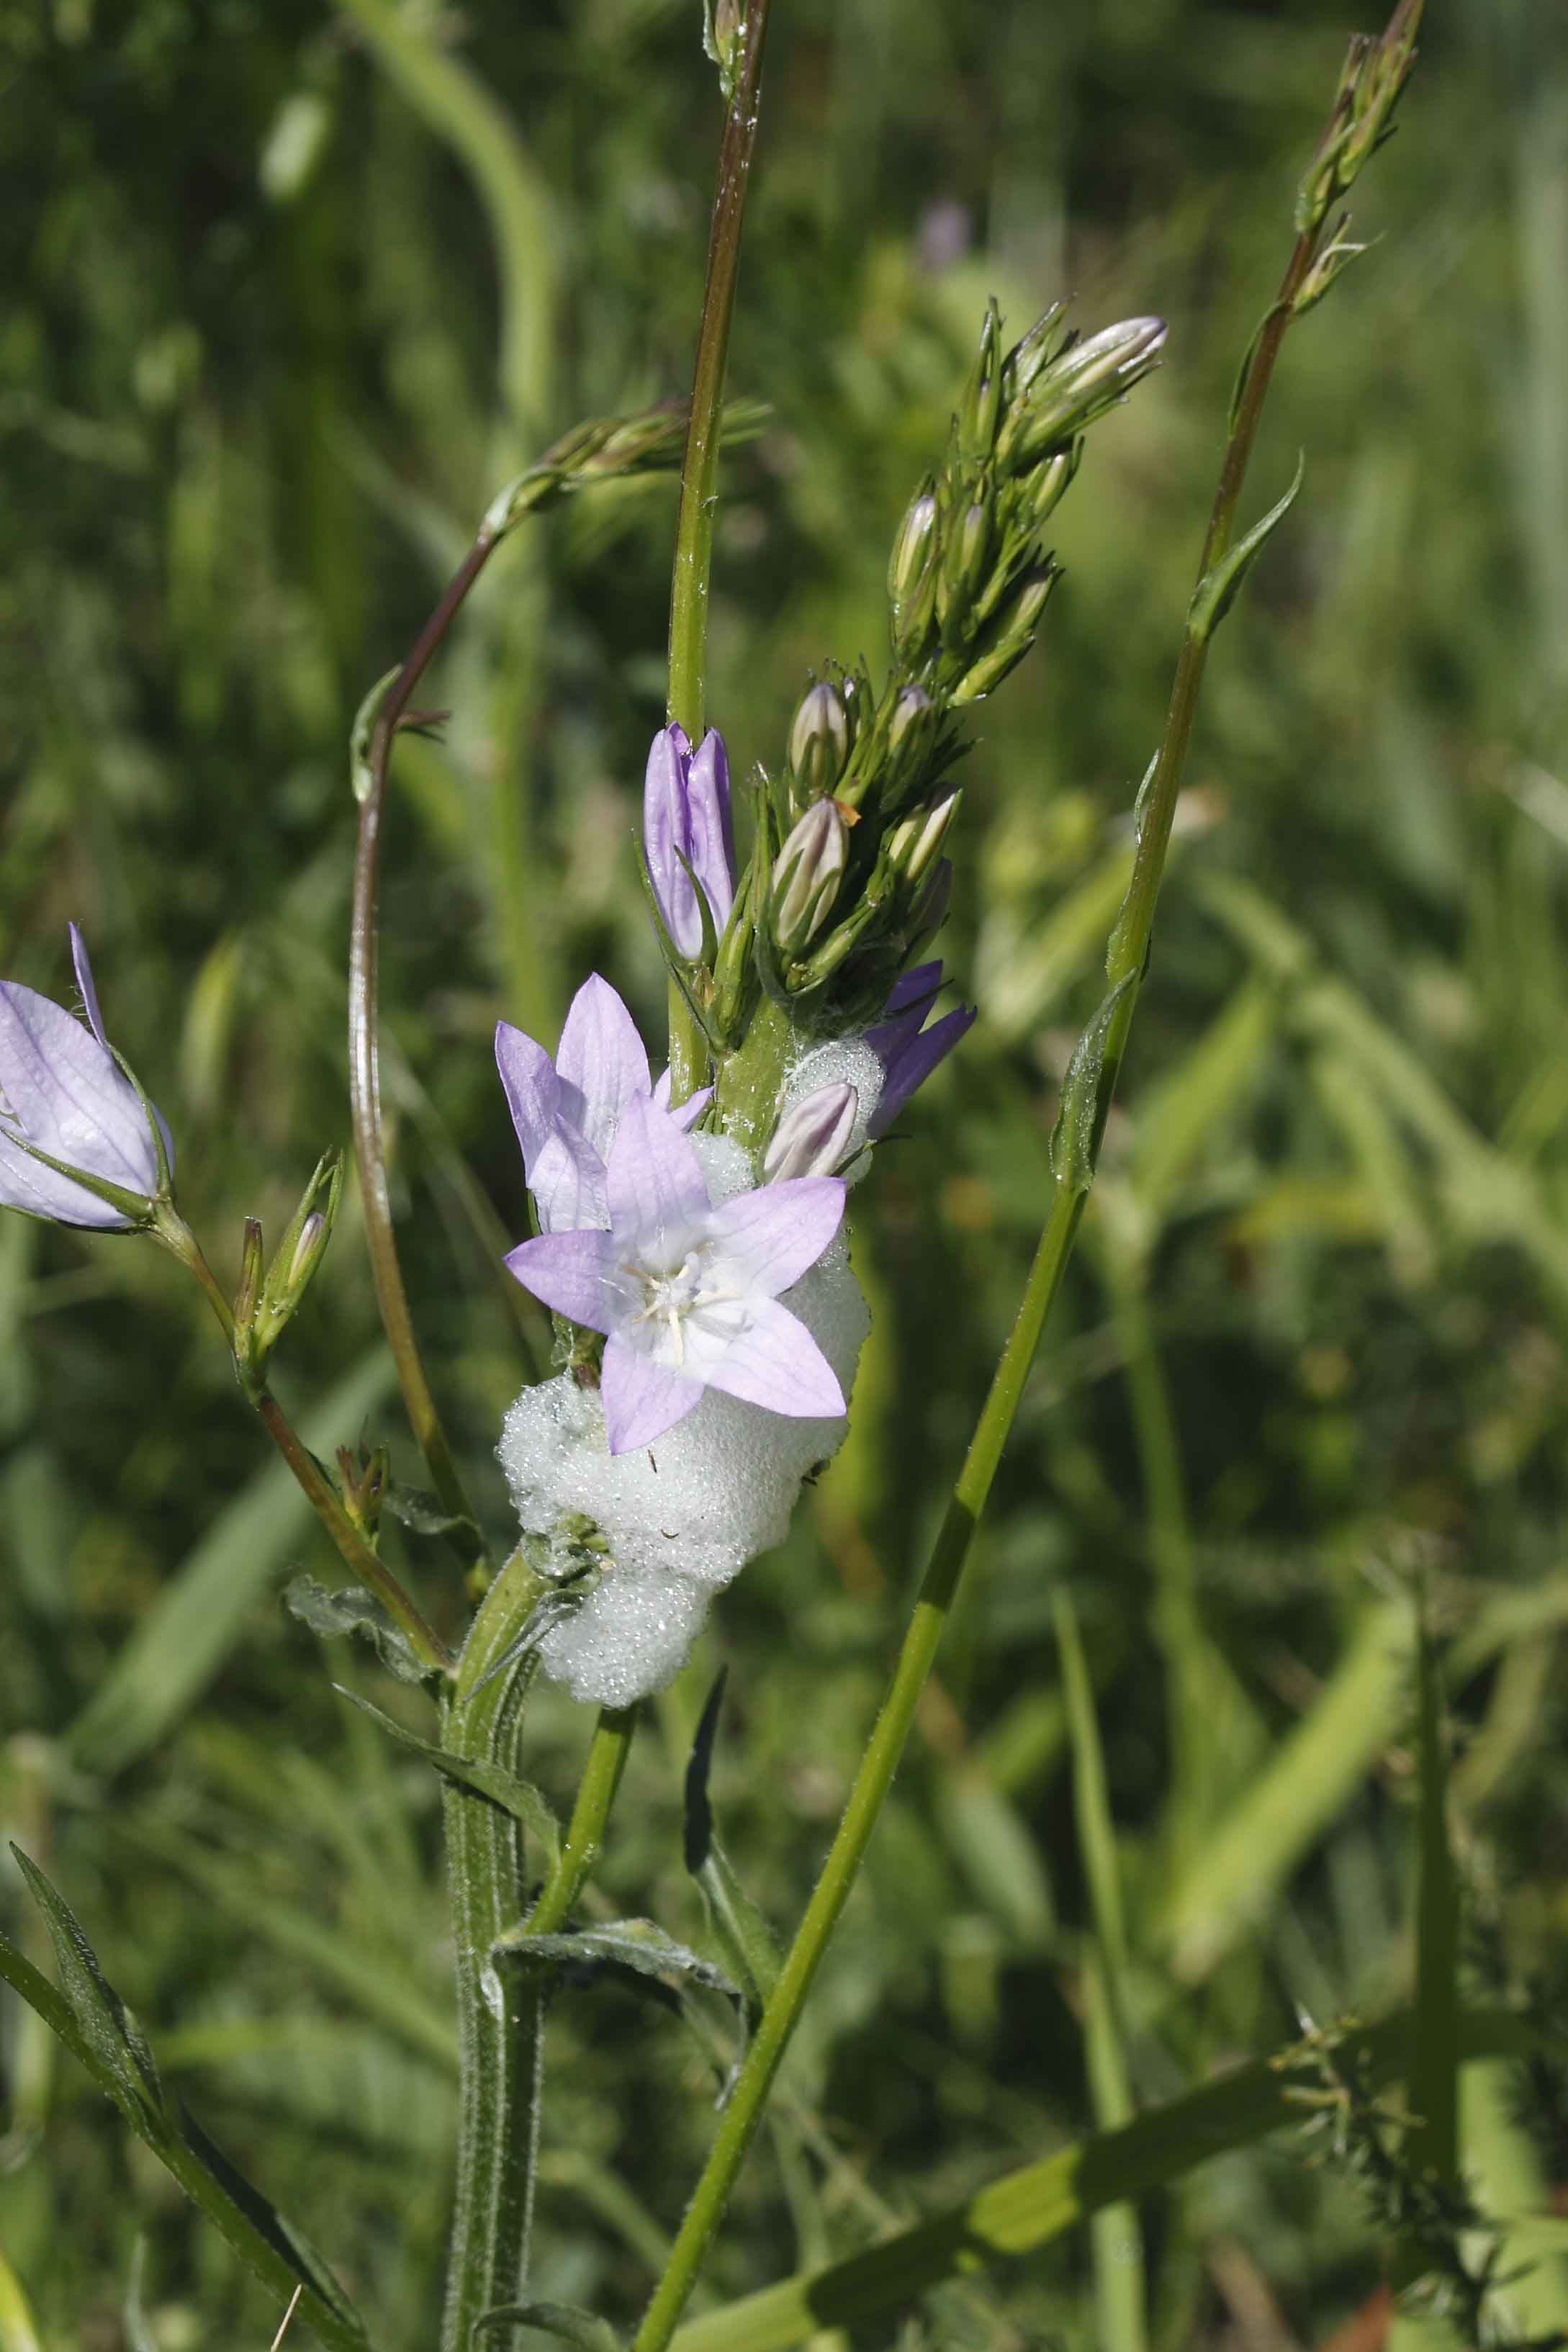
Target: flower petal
{"points": [[567, 1182], [84, 982], [27, 1183], [533, 1090], [602, 1055], [776, 1363], [667, 828], [687, 1114], [67, 1095], [572, 1272], [712, 842], [641, 1398], [909, 998], [914, 1063], [654, 1177], [765, 1240]]}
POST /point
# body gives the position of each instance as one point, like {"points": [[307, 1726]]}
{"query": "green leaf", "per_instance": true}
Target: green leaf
{"points": [[1085, 1093], [97, 2030], [630, 1948], [519, 1798], [117, 2041], [352, 1609], [584, 2329], [1217, 589], [740, 1930], [417, 1507], [18, 2331], [1030, 2207]]}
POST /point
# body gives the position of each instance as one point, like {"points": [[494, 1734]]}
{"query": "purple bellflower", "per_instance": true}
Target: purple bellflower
{"points": [[908, 1051], [62, 1092], [686, 814], [566, 1112], [686, 1294]]}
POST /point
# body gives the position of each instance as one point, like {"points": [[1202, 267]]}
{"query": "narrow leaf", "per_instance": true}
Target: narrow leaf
{"points": [[1085, 1093], [116, 2038], [264, 2240], [1217, 589], [741, 1930], [519, 1798], [1030, 2207], [353, 1609], [584, 2329], [635, 1948]]}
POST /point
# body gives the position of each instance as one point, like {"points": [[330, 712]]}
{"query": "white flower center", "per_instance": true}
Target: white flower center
{"points": [[670, 1296]]}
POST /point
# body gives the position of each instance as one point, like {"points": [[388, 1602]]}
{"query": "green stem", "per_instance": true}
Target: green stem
{"points": [[1129, 950], [176, 1237], [689, 587], [364, 1072], [500, 2011]]}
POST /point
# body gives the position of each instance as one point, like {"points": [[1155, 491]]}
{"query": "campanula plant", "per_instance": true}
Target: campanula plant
{"points": [[689, 1236]]}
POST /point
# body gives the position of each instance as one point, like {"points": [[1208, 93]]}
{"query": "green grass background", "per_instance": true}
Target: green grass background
{"points": [[286, 295]]}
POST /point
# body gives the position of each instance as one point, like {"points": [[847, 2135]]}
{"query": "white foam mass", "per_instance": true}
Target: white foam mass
{"points": [[676, 1519], [844, 1061]]}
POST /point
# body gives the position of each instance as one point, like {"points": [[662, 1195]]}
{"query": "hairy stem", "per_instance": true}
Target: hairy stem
{"points": [[500, 2011]]}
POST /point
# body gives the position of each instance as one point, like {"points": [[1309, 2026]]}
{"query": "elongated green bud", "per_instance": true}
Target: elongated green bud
{"points": [[1076, 388], [982, 403], [911, 567], [1010, 637], [965, 562], [818, 743], [807, 872], [914, 843]]}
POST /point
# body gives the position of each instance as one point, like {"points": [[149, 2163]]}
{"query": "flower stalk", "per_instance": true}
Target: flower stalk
{"points": [[1126, 959], [694, 564]]}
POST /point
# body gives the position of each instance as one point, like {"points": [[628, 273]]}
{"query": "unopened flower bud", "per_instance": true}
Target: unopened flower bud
{"points": [[982, 400], [1078, 387], [364, 1479], [967, 560], [687, 840], [249, 1289], [307, 1249], [909, 711], [931, 913], [298, 1254], [813, 1136], [910, 565], [1009, 637], [913, 845], [806, 875], [818, 742]]}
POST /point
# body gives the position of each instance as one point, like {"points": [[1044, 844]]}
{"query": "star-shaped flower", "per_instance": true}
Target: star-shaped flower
{"points": [[908, 1052], [686, 1294], [566, 1111]]}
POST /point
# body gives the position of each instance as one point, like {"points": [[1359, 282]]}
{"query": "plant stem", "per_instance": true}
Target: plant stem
{"points": [[176, 1237], [365, 1069], [693, 565], [500, 2011], [1129, 950], [500, 2021]]}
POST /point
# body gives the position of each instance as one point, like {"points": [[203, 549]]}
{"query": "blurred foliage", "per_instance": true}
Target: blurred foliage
{"points": [[260, 370]]}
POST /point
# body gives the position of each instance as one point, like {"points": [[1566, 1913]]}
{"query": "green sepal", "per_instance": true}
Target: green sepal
{"points": [[352, 1609], [677, 963], [1086, 1095], [1217, 589], [519, 1798], [419, 1508], [584, 2329], [101, 2034]]}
